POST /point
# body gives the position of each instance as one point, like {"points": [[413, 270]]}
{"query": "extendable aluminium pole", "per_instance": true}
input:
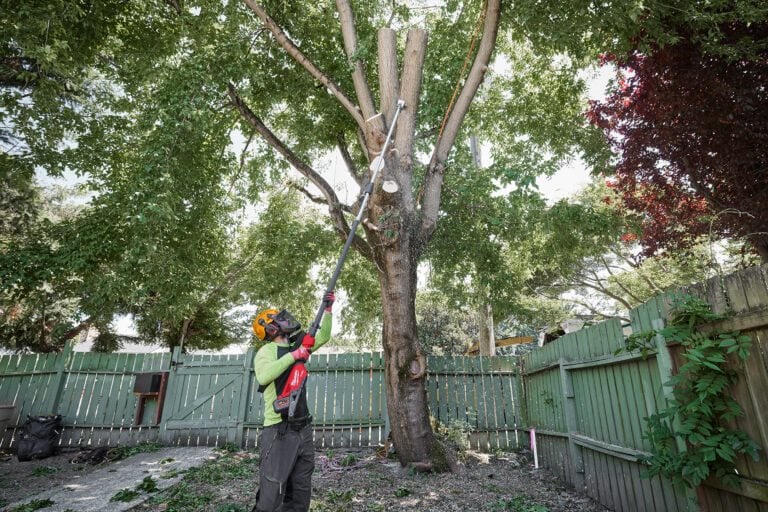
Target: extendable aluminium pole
{"points": [[366, 195]]}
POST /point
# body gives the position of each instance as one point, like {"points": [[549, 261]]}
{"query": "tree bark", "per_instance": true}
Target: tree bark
{"points": [[405, 368], [433, 182], [761, 246], [486, 337], [394, 215]]}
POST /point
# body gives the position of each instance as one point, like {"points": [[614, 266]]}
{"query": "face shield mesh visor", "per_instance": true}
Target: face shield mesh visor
{"points": [[285, 322]]}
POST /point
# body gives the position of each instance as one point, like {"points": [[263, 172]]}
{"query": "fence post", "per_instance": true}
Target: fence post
{"points": [[57, 383], [245, 386], [569, 407], [664, 364], [170, 393], [523, 422]]}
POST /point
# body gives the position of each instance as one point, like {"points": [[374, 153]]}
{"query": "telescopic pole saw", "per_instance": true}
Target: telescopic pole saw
{"points": [[376, 166], [297, 379]]}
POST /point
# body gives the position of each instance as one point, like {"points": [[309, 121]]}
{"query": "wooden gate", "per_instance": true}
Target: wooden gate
{"points": [[207, 399]]}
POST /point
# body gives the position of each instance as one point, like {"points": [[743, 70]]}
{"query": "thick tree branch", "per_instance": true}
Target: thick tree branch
{"points": [[696, 182], [348, 161], [335, 207], [639, 270], [592, 309], [85, 324], [605, 291], [389, 81], [363, 91], [410, 90], [315, 199], [434, 178], [618, 282], [586, 305], [290, 47], [363, 144]]}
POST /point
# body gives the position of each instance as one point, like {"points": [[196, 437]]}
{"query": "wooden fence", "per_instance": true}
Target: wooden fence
{"points": [[588, 406], [212, 399]]}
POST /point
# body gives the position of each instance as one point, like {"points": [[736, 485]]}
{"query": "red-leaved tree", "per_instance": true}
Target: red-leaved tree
{"points": [[691, 133]]}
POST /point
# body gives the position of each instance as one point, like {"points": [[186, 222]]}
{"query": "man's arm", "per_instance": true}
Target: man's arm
{"points": [[324, 334], [266, 365]]}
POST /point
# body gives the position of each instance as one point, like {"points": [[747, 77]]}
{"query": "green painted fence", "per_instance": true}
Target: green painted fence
{"points": [[93, 392], [477, 393], [212, 399], [588, 406]]}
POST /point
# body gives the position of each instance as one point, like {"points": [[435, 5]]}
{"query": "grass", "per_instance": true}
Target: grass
{"points": [[231, 507], [173, 473], [148, 485], [182, 498], [33, 505], [228, 483], [195, 491], [333, 501], [123, 452], [518, 504], [44, 471], [125, 495], [223, 469]]}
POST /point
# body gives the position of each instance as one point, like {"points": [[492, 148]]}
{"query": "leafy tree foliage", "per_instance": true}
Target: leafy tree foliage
{"points": [[445, 327], [585, 27], [39, 316], [617, 276], [689, 122]]}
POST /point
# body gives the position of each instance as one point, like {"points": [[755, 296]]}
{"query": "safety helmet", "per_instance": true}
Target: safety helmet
{"points": [[261, 321], [270, 323]]}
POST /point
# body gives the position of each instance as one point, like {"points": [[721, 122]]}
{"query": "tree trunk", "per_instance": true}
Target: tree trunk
{"points": [[761, 246], [487, 338], [405, 364], [406, 367]]}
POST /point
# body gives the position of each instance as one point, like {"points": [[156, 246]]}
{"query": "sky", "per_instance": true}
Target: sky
{"points": [[570, 179]]}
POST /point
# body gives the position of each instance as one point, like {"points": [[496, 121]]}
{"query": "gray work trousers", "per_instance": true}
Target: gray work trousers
{"points": [[285, 470]]}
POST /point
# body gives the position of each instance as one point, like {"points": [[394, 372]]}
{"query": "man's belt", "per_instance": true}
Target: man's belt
{"points": [[298, 423]]}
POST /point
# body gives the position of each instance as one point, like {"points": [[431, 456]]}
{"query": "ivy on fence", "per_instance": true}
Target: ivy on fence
{"points": [[701, 411]]}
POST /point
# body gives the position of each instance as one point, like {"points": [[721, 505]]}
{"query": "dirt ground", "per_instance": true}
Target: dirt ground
{"points": [[351, 481], [358, 480], [20, 480]]}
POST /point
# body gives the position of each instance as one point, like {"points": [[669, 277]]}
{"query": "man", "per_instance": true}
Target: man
{"points": [[286, 447]]}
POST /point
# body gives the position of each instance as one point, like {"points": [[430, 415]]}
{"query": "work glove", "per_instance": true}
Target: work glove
{"points": [[300, 354], [308, 341], [328, 300]]}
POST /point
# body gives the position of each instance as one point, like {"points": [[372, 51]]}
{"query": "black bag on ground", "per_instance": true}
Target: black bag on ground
{"points": [[38, 437]]}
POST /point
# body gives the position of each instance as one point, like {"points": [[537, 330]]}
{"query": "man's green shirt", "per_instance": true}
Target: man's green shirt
{"points": [[268, 367]]}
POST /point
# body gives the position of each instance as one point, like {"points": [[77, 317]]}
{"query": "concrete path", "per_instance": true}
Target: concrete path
{"points": [[92, 493]]}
